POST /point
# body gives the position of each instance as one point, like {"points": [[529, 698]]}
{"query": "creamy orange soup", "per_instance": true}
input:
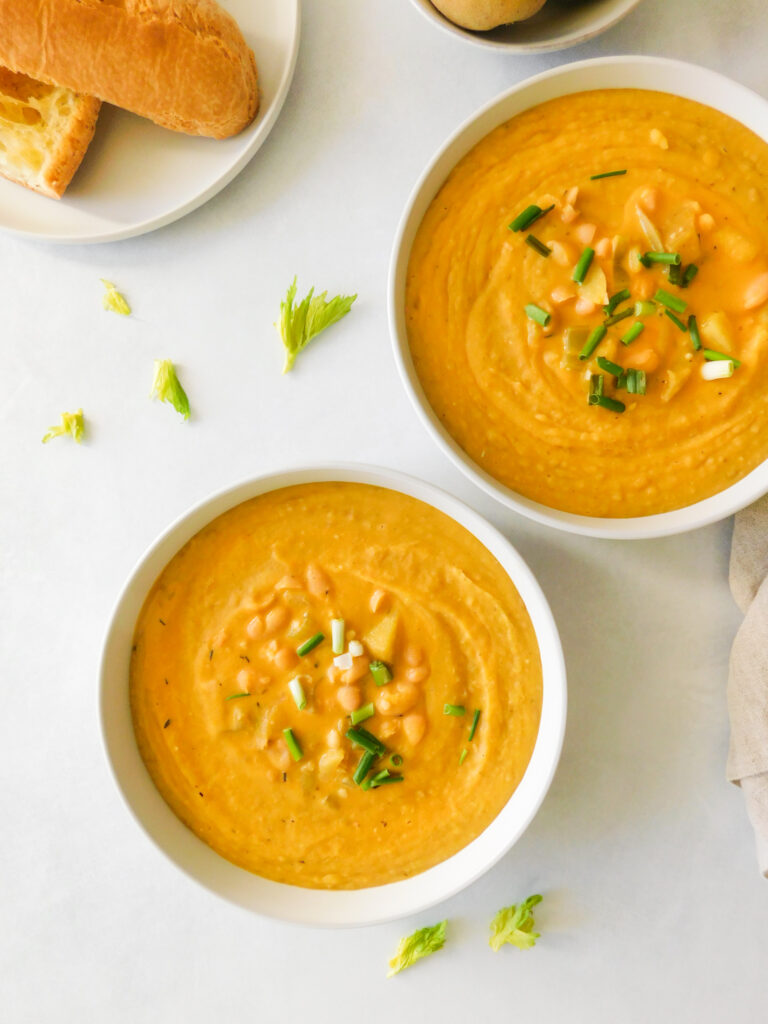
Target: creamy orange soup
{"points": [[247, 718], [513, 385]]}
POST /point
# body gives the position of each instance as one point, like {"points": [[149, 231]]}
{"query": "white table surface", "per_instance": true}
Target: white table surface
{"points": [[653, 907]]}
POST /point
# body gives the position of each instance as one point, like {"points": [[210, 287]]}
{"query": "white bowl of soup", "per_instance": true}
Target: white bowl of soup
{"points": [[333, 696], [556, 26], [569, 272]]}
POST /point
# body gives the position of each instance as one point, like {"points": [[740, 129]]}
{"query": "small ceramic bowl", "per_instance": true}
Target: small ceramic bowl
{"points": [[558, 25], [291, 903], [656, 73]]}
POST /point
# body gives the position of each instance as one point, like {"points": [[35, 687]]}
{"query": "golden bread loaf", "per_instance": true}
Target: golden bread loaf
{"points": [[482, 15], [44, 132], [182, 63]]}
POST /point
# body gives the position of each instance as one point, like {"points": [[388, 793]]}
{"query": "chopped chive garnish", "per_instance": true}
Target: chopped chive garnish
{"points": [[363, 767], [607, 174], [618, 317], [672, 259], [454, 709], [675, 274], [293, 744], [693, 330], [690, 272], [380, 672], [644, 307], [636, 382], [612, 404], [310, 645], [537, 314], [396, 760], [367, 740], [581, 268], [235, 696], [676, 320], [670, 301], [712, 355], [362, 714], [473, 727], [609, 367], [529, 215], [616, 300], [596, 385], [387, 780], [463, 757], [593, 341], [376, 779], [297, 692], [621, 380], [538, 245], [634, 332], [337, 636]]}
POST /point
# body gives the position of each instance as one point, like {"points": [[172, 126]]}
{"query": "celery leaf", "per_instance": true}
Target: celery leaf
{"points": [[422, 943], [167, 388], [300, 323], [113, 300], [515, 925], [72, 423]]}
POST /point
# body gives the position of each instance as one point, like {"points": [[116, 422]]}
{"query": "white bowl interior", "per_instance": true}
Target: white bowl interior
{"points": [[557, 25], [290, 903], [654, 73]]}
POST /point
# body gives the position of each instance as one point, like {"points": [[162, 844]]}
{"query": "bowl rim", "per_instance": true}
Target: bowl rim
{"points": [[690, 517], [559, 42], [314, 907]]}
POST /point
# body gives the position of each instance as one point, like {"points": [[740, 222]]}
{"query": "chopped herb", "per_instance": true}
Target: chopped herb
{"points": [[293, 744], [693, 330], [607, 174], [396, 760], [612, 404], [514, 925], [387, 781], [670, 301], [422, 943], [210, 654], [310, 645], [167, 723], [537, 314], [672, 259], [676, 320], [362, 714], [297, 692], [635, 382], [675, 275], [161, 622], [167, 388], [618, 317], [454, 709], [367, 741], [300, 324], [337, 636], [690, 272], [235, 696], [463, 756], [711, 355], [634, 332], [72, 423], [113, 300], [594, 339], [473, 727], [596, 386], [380, 672], [616, 300], [644, 307], [529, 215], [363, 767], [583, 265], [609, 367], [537, 245]]}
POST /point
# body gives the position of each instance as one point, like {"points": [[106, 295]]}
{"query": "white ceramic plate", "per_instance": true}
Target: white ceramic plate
{"points": [[315, 906], [557, 25], [686, 80], [137, 176]]}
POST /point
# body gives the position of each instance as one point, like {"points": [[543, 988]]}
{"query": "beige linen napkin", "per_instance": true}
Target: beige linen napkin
{"points": [[748, 676]]}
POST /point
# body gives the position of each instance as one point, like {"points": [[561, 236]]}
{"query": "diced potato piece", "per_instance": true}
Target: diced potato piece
{"points": [[716, 332], [380, 640], [595, 287]]}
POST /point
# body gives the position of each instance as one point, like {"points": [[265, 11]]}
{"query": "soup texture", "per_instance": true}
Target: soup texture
{"points": [[587, 303], [335, 685]]}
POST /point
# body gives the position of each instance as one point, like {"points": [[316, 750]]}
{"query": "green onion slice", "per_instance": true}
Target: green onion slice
{"points": [[634, 332], [593, 341], [362, 714], [636, 382], [537, 245], [293, 744], [363, 767], [380, 672], [473, 727], [337, 636], [644, 307], [676, 320], [609, 367], [670, 301], [618, 317], [454, 709], [529, 216], [711, 355], [596, 385], [463, 756], [396, 760], [235, 696], [675, 275], [616, 300], [310, 645], [581, 268], [693, 330], [607, 174], [537, 314], [386, 781], [367, 741], [612, 404], [297, 692], [690, 272], [672, 259]]}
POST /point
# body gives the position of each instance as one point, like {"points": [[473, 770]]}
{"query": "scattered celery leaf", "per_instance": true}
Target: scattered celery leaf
{"points": [[422, 943], [515, 925], [72, 423], [114, 300], [167, 388], [301, 323]]}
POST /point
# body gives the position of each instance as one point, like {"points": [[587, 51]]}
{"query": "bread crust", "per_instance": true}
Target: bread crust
{"points": [[182, 63]]}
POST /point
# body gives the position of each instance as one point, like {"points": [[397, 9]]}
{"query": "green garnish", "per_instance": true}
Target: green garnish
{"points": [[529, 215], [693, 330], [310, 645], [363, 767], [609, 367], [675, 275], [380, 672], [293, 744], [635, 382], [676, 320], [593, 341], [537, 314], [422, 943], [514, 925], [690, 272], [616, 300], [606, 174], [612, 404], [396, 760], [538, 245], [367, 741], [711, 355], [634, 332], [583, 265], [596, 385], [113, 300], [300, 324], [72, 423], [473, 727], [167, 388], [670, 301], [382, 778], [362, 714], [644, 307], [463, 756], [454, 709], [337, 636], [235, 696], [618, 317], [297, 692], [672, 259]]}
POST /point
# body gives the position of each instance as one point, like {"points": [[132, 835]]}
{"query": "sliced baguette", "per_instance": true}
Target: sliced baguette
{"points": [[45, 131]]}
